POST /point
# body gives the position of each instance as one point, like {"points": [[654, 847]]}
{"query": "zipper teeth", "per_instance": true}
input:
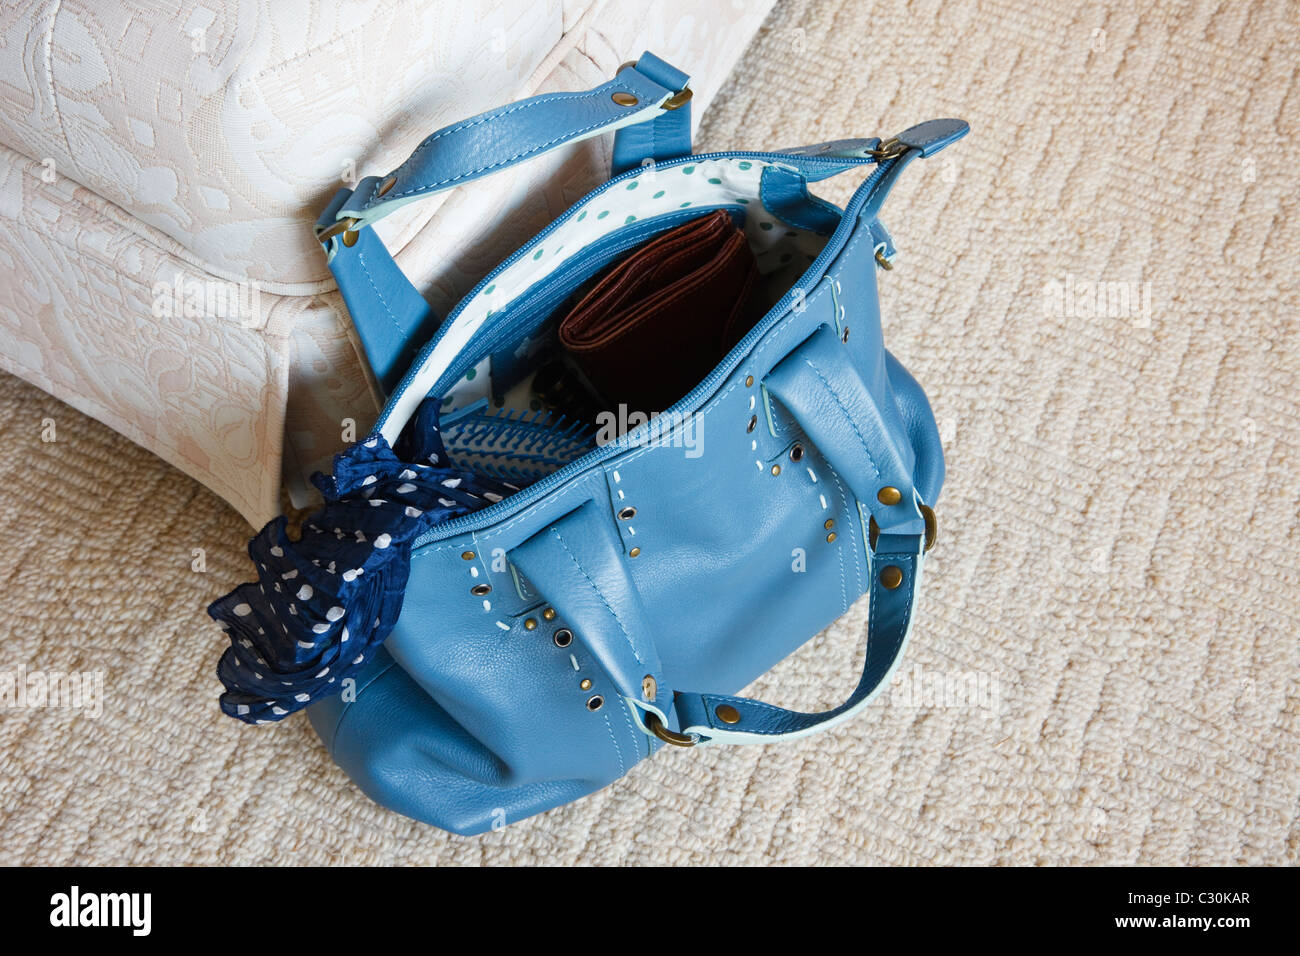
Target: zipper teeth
{"points": [[521, 499]]}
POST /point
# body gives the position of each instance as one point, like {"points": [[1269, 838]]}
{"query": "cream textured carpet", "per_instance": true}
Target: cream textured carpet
{"points": [[1105, 670]]}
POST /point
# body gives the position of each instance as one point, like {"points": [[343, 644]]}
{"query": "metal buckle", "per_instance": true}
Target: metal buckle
{"points": [[931, 528], [656, 727]]}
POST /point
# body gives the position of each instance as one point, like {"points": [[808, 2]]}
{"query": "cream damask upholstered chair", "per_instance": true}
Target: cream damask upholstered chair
{"points": [[161, 165]]}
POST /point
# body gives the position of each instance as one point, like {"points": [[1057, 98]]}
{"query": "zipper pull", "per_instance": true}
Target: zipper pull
{"points": [[926, 138]]}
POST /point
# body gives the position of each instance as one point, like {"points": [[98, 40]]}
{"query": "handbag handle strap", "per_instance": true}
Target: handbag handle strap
{"points": [[508, 135], [723, 719]]}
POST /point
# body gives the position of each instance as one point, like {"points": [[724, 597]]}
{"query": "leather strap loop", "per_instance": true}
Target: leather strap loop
{"points": [[577, 562]]}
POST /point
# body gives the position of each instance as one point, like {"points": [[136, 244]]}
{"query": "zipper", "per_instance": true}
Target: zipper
{"points": [[522, 499]]}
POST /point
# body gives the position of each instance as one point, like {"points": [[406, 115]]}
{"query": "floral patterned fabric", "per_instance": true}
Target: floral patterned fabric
{"points": [[148, 148]]}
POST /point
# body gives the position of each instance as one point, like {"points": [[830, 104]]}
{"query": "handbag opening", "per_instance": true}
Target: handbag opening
{"points": [[653, 267]]}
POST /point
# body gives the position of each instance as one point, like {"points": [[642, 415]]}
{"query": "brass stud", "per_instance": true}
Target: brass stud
{"points": [[634, 552], [548, 614], [596, 702], [830, 523], [481, 589], [891, 577], [830, 538], [796, 453], [753, 421], [386, 185], [624, 99], [728, 714], [350, 238], [889, 495], [649, 687], [467, 555], [530, 624], [776, 469], [563, 637], [749, 381], [845, 337], [586, 683], [627, 514]]}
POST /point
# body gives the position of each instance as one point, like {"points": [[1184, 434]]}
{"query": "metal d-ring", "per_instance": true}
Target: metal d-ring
{"points": [[931, 528], [656, 727]]}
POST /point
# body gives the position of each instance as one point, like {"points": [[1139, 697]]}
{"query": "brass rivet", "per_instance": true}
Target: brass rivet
{"points": [[776, 469], [634, 552], [627, 514], [830, 538], [386, 185], [891, 577], [548, 614], [728, 714], [796, 453], [749, 381], [889, 495], [586, 683], [480, 589], [530, 624], [753, 421], [467, 555], [845, 337], [830, 523], [649, 687], [596, 702], [563, 637], [350, 238], [624, 99]]}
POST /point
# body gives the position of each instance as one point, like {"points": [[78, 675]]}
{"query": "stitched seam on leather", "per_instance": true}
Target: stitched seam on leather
{"points": [[637, 736], [618, 751], [844, 589], [486, 119], [847, 414], [583, 571], [361, 259]]}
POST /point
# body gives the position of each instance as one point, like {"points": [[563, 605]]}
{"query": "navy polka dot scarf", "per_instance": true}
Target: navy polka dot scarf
{"points": [[322, 605]]}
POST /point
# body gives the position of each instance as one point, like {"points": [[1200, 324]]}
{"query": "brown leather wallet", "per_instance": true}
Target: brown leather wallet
{"points": [[656, 323]]}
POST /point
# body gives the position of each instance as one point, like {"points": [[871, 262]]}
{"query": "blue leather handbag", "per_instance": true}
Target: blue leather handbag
{"points": [[498, 643]]}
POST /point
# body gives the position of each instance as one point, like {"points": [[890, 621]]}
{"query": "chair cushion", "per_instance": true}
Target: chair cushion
{"points": [[230, 128]]}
